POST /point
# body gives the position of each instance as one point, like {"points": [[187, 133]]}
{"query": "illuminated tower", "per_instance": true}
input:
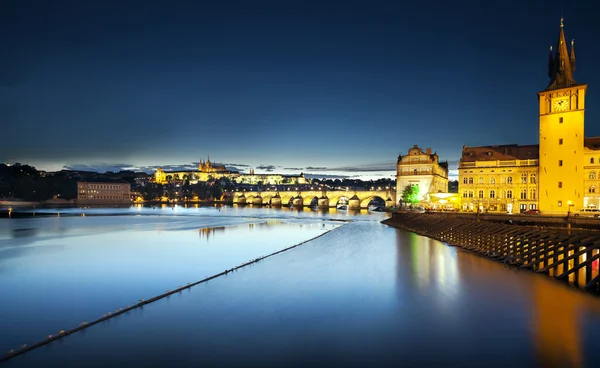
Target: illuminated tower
{"points": [[561, 155]]}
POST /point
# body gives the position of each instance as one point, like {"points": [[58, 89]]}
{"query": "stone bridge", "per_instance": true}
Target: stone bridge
{"points": [[323, 199]]}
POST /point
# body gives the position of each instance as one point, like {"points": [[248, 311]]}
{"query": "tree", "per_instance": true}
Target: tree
{"points": [[410, 194]]}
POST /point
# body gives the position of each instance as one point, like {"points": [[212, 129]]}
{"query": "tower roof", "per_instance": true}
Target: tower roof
{"points": [[561, 67]]}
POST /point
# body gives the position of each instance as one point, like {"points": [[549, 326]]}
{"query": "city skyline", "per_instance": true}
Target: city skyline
{"points": [[283, 88]]}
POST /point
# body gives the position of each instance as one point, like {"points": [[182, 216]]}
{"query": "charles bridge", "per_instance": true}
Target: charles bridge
{"points": [[321, 198]]}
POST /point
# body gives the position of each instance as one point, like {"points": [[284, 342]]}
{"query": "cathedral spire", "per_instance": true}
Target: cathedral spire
{"points": [[562, 72]]}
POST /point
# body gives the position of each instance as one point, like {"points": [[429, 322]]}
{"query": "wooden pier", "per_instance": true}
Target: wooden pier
{"points": [[561, 252]]}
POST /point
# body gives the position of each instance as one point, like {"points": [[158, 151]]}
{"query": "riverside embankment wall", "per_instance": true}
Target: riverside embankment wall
{"points": [[547, 245]]}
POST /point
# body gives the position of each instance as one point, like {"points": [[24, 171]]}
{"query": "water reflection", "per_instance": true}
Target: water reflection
{"points": [[206, 233], [448, 278]]}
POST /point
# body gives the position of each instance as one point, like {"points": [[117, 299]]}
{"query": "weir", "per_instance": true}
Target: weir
{"points": [[566, 254], [63, 333]]}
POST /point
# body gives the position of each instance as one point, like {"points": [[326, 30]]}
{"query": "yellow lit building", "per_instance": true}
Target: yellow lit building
{"points": [[422, 169], [557, 176], [208, 170], [498, 178]]}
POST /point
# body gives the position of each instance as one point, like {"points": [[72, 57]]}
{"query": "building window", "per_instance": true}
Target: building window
{"points": [[532, 194], [560, 184], [465, 194], [465, 180], [502, 180], [492, 194], [509, 194], [470, 180], [481, 181], [481, 194], [524, 178], [532, 179], [591, 160], [592, 189], [470, 194], [492, 180], [415, 171], [509, 180], [559, 203], [523, 193], [560, 141], [592, 174], [559, 162], [560, 120]]}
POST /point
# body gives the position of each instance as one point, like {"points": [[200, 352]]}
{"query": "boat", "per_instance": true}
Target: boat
{"points": [[342, 207]]}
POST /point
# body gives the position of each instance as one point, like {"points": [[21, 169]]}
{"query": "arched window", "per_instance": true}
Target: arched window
{"points": [[470, 180], [509, 180], [481, 180], [492, 180], [481, 194], [492, 194], [465, 180], [533, 179], [532, 194], [465, 194], [509, 193], [470, 194], [524, 191], [524, 178], [592, 189], [592, 175]]}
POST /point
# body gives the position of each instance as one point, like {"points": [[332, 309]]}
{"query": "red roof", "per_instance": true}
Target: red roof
{"points": [[502, 152]]}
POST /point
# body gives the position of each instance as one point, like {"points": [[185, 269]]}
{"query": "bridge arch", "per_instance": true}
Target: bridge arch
{"points": [[311, 201], [339, 200], [365, 202]]}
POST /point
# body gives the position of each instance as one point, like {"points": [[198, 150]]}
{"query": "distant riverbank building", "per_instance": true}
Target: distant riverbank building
{"points": [[421, 169], [557, 176]]}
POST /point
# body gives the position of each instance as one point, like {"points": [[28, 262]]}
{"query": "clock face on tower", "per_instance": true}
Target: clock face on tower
{"points": [[560, 105]]}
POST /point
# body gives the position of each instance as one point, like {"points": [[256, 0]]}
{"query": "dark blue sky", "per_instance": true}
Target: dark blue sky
{"points": [[326, 87]]}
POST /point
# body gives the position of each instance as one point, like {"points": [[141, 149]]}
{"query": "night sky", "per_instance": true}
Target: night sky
{"points": [[337, 88]]}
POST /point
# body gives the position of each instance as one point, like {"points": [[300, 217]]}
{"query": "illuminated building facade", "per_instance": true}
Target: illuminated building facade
{"points": [[208, 170], [90, 193], [422, 169], [557, 176], [499, 178]]}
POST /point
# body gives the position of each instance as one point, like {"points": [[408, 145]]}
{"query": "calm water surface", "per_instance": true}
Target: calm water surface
{"points": [[364, 294]]}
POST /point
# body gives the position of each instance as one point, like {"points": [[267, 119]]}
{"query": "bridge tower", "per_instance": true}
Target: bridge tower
{"points": [[561, 123]]}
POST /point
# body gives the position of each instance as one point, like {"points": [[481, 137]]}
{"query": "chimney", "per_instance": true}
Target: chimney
{"points": [[428, 151]]}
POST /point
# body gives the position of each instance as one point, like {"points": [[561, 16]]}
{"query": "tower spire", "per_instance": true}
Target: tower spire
{"points": [[562, 71]]}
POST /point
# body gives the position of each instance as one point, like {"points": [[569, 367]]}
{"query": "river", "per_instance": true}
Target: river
{"points": [[363, 294]]}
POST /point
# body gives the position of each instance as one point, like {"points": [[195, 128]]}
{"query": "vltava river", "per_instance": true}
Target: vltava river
{"points": [[363, 294]]}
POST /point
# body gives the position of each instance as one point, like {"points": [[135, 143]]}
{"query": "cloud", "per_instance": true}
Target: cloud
{"points": [[101, 168], [237, 165], [325, 176], [266, 167], [391, 166], [293, 168]]}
